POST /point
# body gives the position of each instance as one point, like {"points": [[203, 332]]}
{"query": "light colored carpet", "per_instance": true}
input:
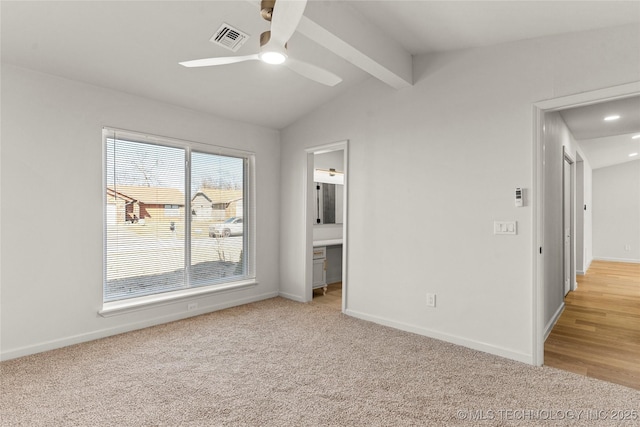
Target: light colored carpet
{"points": [[281, 363]]}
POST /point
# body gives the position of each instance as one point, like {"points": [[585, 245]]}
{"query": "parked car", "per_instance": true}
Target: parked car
{"points": [[231, 227]]}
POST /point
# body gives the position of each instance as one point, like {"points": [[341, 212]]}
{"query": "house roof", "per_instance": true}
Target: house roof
{"points": [[217, 195], [113, 193], [149, 195]]}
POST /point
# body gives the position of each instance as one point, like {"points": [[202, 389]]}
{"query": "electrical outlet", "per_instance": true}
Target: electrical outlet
{"points": [[431, 300], [627, 247], [192, 306]]}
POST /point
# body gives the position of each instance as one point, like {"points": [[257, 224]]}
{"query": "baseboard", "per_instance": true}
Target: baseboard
{"points": [[454, 339], [552, 322], [103, 333], [628, 260], [580, 273], [335, 279], [292, 297]]}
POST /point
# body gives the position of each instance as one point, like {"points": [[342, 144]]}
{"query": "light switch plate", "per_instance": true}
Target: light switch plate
{"points": [[505, 227]]}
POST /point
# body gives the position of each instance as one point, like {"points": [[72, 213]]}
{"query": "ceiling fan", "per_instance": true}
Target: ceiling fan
{"points": [[284, 15]]}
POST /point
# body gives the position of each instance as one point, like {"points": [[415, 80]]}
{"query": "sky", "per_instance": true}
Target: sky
{"points": [[143, 164]]}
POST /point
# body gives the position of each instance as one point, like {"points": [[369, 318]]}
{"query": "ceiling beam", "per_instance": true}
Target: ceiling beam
{"points": [[345, 32], [341, 29]]}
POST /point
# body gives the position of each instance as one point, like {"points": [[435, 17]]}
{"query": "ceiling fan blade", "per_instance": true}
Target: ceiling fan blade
{"points": [[218, 61], [286, 17], [312, 72]]}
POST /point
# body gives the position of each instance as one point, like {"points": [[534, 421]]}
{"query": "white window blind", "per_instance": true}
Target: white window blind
{"points": [[217, 236], [162, 233]]}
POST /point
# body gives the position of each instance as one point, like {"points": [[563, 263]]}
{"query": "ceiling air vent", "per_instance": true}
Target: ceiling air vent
{"points": [[229, 37]]}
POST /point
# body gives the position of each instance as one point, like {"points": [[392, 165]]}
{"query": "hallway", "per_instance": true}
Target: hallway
{"points": [[598, 333]]}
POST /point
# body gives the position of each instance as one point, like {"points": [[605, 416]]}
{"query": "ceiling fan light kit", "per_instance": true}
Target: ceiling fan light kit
{"points": [[271, 54], [284, 15], [272, 57]]}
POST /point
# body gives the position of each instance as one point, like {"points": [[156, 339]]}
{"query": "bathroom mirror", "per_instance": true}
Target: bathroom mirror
{"points": [[328, 203], [328, 196]]}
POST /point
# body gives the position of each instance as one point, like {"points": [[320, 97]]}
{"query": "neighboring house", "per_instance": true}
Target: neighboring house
{"points": [[212, 204], [130, 203]]}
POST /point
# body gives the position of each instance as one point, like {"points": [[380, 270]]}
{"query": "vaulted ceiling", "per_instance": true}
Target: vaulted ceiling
{"points": [[135, 46]]}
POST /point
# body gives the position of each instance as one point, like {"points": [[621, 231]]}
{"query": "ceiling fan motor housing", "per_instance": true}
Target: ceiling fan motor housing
{"points": [[266, 8], [273, 46], [265, 37]]}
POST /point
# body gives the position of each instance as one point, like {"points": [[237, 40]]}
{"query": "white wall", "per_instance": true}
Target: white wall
{"points": [[453, 147], [584, 209], [327, 232], [332, 159], [52, 206], [616, 212], [588, 216]]}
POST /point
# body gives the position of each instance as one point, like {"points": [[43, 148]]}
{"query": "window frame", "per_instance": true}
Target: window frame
{"points": [[249, 246]]}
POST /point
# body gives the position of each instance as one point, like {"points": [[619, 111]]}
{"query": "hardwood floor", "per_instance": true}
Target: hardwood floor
{"points": [[598, 334], [333, 298]]}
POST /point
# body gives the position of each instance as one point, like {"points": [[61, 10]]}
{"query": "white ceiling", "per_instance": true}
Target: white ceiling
{"points": [[435, 26], [606, 143], [135, 46], [610, 151]]}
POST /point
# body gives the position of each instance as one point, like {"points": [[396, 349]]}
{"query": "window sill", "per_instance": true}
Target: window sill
{"points": [[151, 301]]}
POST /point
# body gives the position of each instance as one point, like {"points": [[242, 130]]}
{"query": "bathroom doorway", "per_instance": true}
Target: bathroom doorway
{"points": [[327, 220]]}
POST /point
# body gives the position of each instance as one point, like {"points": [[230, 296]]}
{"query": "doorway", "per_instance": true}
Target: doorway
{"points": [[547, 250], [326, 223]]}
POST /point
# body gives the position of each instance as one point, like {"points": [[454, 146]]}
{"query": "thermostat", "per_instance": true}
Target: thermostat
{"points": [[519, 197]]}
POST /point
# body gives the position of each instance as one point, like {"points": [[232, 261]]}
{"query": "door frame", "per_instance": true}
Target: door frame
{"points": [[538, 223], [309, 215], [572, 226], [579, 217]]}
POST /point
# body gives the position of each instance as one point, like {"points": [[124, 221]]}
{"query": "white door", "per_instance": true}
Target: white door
{"points": [[566, 225]]}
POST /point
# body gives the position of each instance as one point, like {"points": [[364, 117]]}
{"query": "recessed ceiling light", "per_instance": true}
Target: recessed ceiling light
{"points": [[633, 154], [635, 136], [611, 118]]}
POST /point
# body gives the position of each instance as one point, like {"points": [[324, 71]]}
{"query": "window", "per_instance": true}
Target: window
{"points": [[172, 210], [163, 236]]}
